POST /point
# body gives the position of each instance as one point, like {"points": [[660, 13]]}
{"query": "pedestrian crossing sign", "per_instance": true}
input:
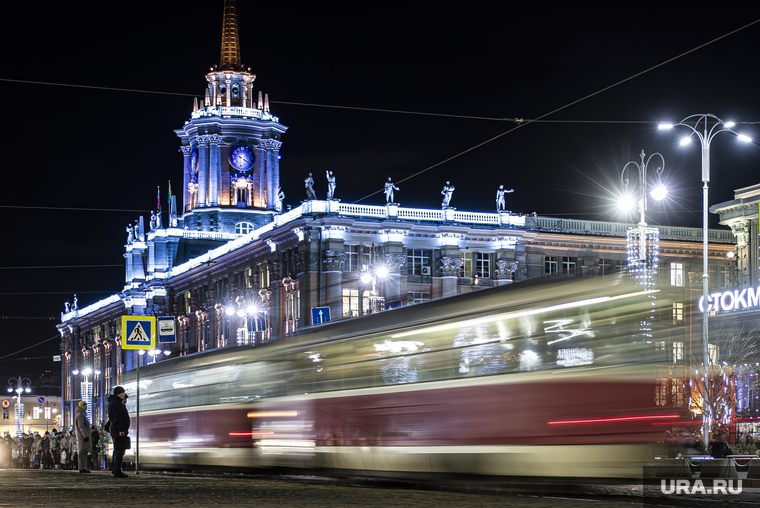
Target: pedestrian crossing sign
{"points": [[138, 332]]}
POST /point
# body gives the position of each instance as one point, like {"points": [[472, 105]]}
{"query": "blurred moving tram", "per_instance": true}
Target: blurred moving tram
{"points": [[540, 378]]}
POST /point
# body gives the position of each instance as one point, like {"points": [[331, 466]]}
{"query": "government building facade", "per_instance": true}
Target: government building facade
{"points": [[232, 267]]}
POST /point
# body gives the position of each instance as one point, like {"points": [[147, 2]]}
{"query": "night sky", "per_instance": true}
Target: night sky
{"points": [[106, 151]]}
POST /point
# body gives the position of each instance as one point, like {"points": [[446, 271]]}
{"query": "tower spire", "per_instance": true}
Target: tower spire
{"points": [[230, 42]]}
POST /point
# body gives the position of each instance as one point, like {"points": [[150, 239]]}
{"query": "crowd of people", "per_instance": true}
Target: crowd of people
{"points": [[56, 449], [84, 447]]}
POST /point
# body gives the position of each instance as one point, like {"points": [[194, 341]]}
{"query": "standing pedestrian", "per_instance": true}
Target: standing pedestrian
{"points": [[83, 430], [119, 419], [37, 446], [92, 457], [54, 453], [46, 451]]}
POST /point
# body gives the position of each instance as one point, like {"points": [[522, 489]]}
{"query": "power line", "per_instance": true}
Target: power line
{"points": [[57, 293], [58, 266], [73, 209], [519, 125], [46, 318], [30, 347]]}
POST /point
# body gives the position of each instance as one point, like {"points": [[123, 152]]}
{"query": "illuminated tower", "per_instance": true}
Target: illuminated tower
{"points": [[230, 146]]}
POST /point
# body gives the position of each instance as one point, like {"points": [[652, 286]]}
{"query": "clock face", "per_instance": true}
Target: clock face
{"points": [[194, 161], [241, 158]]}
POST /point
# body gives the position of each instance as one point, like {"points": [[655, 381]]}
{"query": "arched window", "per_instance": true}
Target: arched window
{"points": [[243, 228]]}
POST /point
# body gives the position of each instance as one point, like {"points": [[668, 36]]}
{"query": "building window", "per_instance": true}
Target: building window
{"points": [[6, 413], [48, 413], [677, 352], [676, 392], [551, 264], [609, 266], [676, 274], [418, 262], [466, 269], [661, 392], [568, 265], [483, 265], [720, 277], [677, 313], [660, 349], [264, 275], [36, 412], [350, 302], [414, 297], [243, 228], [352, 258]]}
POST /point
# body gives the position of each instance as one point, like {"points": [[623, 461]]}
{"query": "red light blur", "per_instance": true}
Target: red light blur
{"points": [[609, 420]]}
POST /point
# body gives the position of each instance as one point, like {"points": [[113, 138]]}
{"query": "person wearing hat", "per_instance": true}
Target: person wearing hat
{"points": [[118, 417], [82, 430]]}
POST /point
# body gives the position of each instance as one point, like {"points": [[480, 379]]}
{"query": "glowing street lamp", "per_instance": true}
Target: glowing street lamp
{"points": [[19, 385], [700, 127], [658, 193], [371, 276]]}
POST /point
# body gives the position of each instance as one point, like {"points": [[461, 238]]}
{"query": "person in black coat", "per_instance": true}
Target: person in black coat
{"points": [[118, 417]]}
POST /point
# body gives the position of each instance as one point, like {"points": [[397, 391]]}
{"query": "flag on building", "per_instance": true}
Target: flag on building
{"points": [[169, 202]]}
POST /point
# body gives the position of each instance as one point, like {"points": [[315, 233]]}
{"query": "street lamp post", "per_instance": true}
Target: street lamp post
{"points": [[658, 193], [369, 278], [85, 389], [246, 307], [19, 385], [708, 132], [49, 409], [643, 241], [291, 301]]}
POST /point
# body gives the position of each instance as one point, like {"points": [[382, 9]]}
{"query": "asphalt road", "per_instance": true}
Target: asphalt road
{"points": [[64, 489]]}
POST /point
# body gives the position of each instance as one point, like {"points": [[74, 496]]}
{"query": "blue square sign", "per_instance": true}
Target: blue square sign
{"points": [[138, 332], [320, 315]]}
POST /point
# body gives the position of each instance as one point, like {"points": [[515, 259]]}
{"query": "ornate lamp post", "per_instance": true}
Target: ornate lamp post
{"points": [[252, 309], [369, 278], [642, 255], [643, 241], [291, 302], [49, 409], [701, 129], [86, 388], [18, 386]]}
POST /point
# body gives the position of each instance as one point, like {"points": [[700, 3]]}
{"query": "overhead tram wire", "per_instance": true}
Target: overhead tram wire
{"points": [[73, 209], [540, 118], [59, 266], [30, 347], [333, 106]]}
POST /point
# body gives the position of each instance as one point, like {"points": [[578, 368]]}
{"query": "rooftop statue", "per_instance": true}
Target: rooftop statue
{"points": [[330, 185], [447, 192], [389, 188], [500, 204], [278, 199], [309, 185]]}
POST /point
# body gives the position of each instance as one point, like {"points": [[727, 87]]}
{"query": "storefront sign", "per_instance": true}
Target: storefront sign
{"points": [[731, 300]]}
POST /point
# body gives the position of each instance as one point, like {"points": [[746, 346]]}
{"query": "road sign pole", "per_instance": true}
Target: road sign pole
{"points": [[137, 423]]}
